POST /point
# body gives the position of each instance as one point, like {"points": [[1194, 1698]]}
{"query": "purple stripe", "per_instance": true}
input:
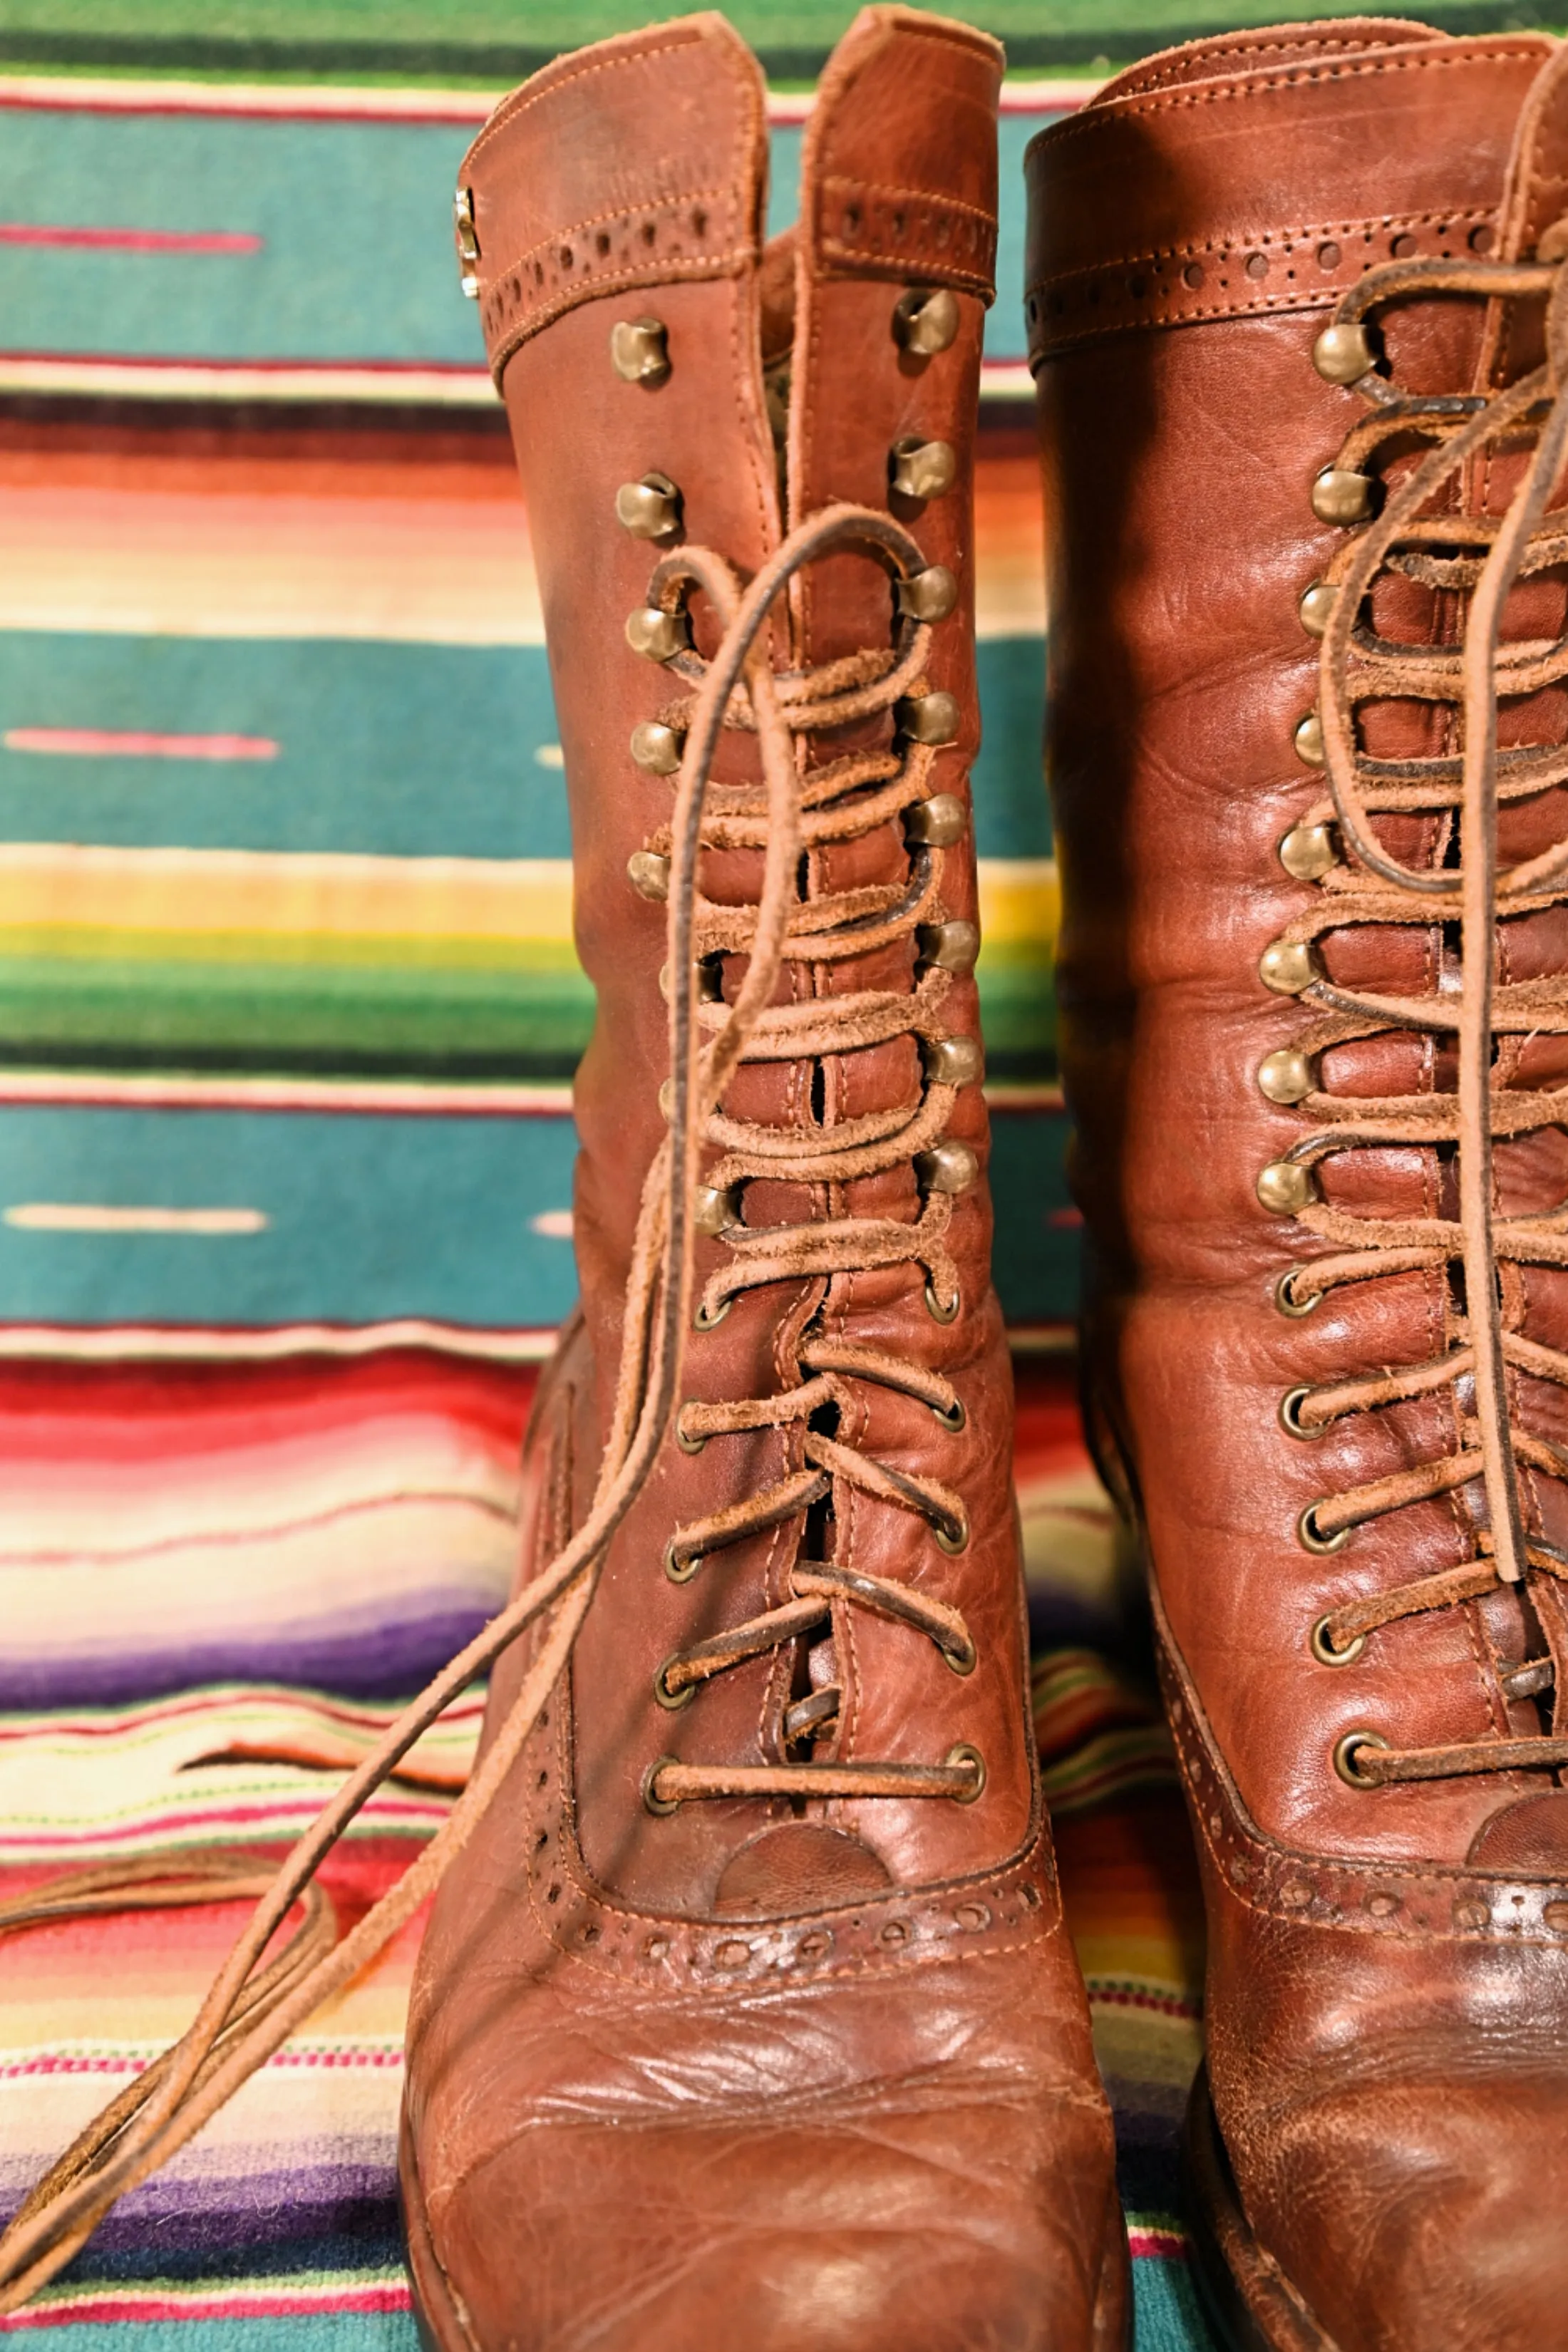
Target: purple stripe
{"points": [[362, 1658]]}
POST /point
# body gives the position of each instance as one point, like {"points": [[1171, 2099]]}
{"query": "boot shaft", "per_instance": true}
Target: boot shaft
{"points": [[673, 382], [1210, 470]]}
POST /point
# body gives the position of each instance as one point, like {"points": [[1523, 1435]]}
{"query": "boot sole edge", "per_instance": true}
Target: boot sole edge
{"points": [[1246, 2299]]}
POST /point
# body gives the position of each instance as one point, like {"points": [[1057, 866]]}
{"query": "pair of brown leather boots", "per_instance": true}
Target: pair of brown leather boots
{"points": [[746, 2015]]}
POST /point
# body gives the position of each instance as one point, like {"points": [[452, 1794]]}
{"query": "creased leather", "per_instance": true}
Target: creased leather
{"points": [[699, 2078], [1388, 2006]]}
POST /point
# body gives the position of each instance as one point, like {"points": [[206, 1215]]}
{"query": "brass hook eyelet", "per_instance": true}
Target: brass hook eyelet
{"points": [[1286, 1304], [965, 1753], [952, 1540], [1324, 1651], [673, 1700], [939, 1312], [663, 1806], [961, 1657], [687, 1444], [678, 1570], [1310, 1536], [1347, 1748], [951, 1417], [705, 1320], [1290, 1419]]}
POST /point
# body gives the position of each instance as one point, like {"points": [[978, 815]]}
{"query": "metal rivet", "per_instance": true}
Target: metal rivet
{"points": [[1290, 1419], [1287, 967], [928, 596], [1315, 608], [1310, 1536], [714, 1209], [943, 1311], [951, 1061], [952, 947], [649, 874], [1285, 1188], [1342, 495], [929, 718], [657, 636], [922, 469], [935, 823], [656, 748], [1324, 1651], [948, 1167], [639, 350], [1308, 851], [674, 1700], [649, 508], [1343, 354], [1307, 740], [656, 1803], [965, 1753], [1286, 1300], [468, 240], [679, 1567], [1346, 1749], [926, 323], [1287, 1076]]}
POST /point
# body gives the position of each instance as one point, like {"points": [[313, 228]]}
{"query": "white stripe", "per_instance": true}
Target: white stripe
{"points": [[93, 1217]]}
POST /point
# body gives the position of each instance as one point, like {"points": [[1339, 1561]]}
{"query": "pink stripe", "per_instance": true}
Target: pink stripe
{"points": [[102, 744], [381, 1812], [1157, 2245], [388, 2294], [112, 2062], [130, 240]]}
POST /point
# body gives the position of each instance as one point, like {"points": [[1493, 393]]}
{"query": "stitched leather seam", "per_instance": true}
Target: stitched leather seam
{"points": [[1092, 118], [654, 273], [514, 111], [717, 192], [1148, 255], [1327, 44], [908, 195]]}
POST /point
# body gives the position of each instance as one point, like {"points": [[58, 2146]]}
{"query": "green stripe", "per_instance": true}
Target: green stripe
{"points": [[345, 1018]]}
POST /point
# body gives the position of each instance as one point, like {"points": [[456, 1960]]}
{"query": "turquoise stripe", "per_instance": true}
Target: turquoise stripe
{"points": [[397, 751], [329, 200], [373, 1217]]}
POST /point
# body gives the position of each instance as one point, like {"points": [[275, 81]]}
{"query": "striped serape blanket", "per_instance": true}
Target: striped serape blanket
{"points": [[215, 1583]]}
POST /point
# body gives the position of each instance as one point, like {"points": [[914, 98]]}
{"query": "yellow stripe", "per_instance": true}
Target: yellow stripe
{"points": [[234, 903]]}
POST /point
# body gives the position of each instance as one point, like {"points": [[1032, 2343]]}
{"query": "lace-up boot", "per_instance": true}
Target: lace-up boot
{"points": [[747, 2016], [1299, 331]]}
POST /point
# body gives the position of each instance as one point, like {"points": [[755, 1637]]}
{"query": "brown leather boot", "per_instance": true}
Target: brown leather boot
{"points": [[748, 2017], [1299, 330]]}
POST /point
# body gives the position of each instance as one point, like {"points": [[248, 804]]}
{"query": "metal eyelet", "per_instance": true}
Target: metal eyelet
{"points": [[706, 1319], [952, 1417], [963, 1660], [687, 1444], [673, 1700], [1290, 1405], [940, 1313], [1295, 1309], [952, 1540], [1346, 1749], [663, 1806], [965, 1753], [678, 1570], [1308, 1536], [1324, 1651]]}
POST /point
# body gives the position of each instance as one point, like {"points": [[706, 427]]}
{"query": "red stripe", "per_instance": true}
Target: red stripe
{"points": [[130, 240], [103, 743]]}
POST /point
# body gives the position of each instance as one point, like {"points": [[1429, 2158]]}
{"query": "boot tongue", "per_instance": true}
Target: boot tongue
{"points": [[1527, 1839], [799, 1866]]}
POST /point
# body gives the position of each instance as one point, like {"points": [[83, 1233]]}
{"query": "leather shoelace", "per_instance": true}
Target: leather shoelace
{"points": [[255, 2003], [1477, 558]]}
